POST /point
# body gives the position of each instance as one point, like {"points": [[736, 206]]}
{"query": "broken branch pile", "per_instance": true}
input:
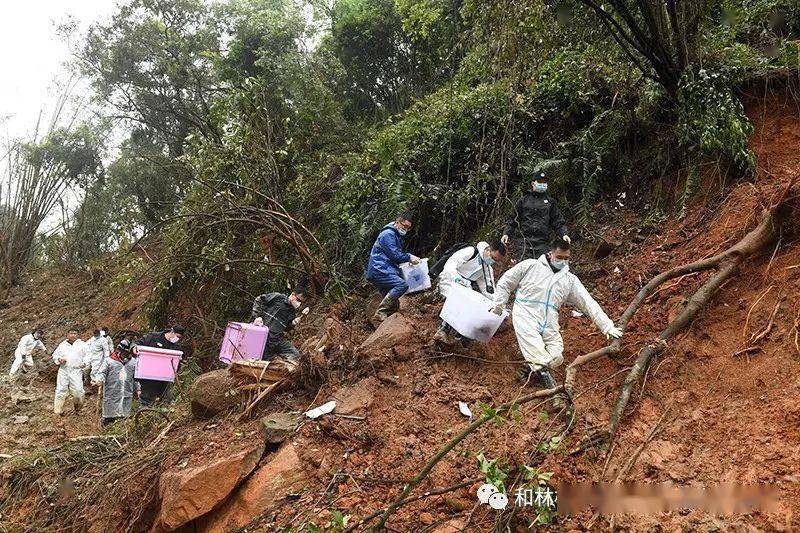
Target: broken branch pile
{"points": [[258, 379]]}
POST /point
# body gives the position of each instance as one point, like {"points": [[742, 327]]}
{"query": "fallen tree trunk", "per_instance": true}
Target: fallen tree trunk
{"points": [[726, 263]]}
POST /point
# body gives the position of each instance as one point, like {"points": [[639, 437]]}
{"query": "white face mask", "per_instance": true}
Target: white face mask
{"points": [[102, 333], [402, 231], [174, 339], [559, 264], [295, 303]]}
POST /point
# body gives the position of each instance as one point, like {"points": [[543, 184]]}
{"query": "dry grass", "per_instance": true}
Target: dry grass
{"points": [[106, 482]]}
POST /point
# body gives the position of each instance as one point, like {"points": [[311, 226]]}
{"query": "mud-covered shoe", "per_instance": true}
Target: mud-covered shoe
{"points": [[524, 374], [446, 336], [388, 305]]}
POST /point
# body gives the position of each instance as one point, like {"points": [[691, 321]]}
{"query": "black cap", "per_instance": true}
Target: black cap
{"points": [[125, 345], [180, 330], [539, 175]]}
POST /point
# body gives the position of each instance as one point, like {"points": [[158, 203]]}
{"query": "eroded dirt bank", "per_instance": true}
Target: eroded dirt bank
{"points": [[731, 414]]}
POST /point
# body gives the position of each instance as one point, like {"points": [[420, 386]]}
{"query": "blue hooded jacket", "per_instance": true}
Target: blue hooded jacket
{"points": [[387, 253]]}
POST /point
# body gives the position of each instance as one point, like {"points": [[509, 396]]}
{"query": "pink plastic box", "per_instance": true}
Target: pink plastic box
{"points": [[243, 341], [157, 364]]}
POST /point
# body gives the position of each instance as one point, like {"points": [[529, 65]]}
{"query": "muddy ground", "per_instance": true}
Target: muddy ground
{"points": [[725, 415]]}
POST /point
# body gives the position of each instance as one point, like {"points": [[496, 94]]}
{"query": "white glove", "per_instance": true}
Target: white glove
{"points": [[463, 282], [296, 321], [413, 259], [567, 239], [498, 309], [504, 239], [613, 333], [258, 321]]}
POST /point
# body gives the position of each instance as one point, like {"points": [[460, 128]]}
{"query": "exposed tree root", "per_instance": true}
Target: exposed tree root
{"points": [[726, 263], [696, 302]]}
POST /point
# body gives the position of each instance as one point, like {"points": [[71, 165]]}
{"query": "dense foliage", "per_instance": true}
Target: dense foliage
{"points": [[337, 115]]}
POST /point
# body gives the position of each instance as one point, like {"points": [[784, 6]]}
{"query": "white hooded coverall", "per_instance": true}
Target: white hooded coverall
{"points": [[97, 351], [463, 264], [22, 355], [70, 374], [539, 294]]}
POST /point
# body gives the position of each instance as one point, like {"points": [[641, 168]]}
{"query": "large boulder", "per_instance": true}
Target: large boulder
{"points": [[279, 474], [192, 492], [213, 393], [393, 331]]}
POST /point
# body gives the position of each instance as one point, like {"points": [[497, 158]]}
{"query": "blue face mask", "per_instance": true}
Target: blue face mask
{"points": [[487, 260], [559, 264], [539, 187]]}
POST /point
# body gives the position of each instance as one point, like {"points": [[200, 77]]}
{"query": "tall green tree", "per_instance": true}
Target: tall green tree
{"points": [[153, 65], [384, 67], [38, 175]]}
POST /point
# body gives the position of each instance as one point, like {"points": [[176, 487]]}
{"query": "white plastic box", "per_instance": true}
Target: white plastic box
{"points": [[416, 276], [468, 312]]}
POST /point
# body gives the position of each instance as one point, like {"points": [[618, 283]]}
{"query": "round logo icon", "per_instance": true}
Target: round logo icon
{"points": [[485, 492], [498, 501]]}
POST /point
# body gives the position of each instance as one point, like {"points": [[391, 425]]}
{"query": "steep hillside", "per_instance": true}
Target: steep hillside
{"points": [[721, 397]]}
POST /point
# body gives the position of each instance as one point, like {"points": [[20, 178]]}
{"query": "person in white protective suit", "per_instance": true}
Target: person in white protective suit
{"points": [[470, 267], [541, 286], [106, 333], [117, 376], [96, 352], [22, 355], [71, 358]]}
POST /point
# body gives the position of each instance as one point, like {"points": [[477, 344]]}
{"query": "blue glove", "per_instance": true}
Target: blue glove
{"points": [[463, 282]]}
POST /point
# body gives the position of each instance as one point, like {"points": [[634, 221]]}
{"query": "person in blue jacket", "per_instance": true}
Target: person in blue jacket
{"points": [[383, 269]]}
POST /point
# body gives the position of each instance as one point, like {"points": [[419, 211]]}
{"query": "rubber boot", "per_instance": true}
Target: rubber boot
{"points": [[77, 403], [545, 378], [388, 305], [58, 405]]}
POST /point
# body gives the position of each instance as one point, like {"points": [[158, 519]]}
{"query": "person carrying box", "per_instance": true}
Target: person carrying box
{"points": [[151, 389], [541, 286], [383, 269], [471, 267], [279, 313]]}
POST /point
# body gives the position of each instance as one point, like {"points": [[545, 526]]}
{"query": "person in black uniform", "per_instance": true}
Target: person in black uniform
{"points": [[152, 390], [535, 217], [279, 313]]}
